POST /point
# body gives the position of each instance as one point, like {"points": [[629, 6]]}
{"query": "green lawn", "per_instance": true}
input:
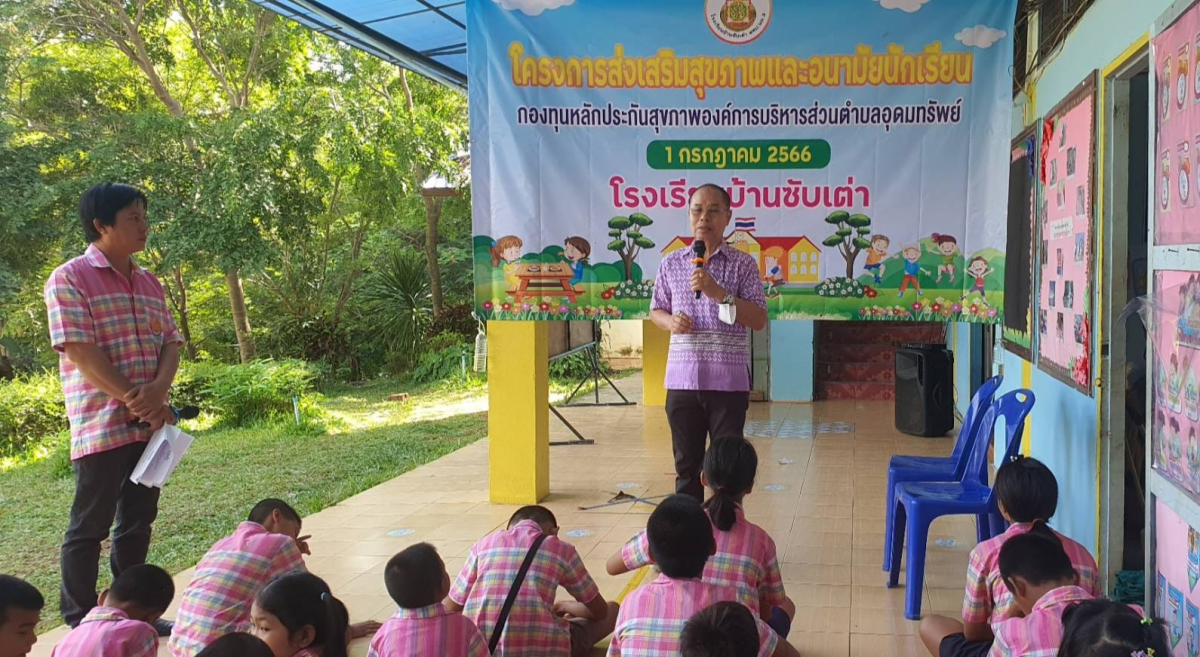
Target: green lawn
{"points": [[228, 470]]}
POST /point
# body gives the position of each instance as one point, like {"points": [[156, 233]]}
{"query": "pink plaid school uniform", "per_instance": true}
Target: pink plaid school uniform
{"points": [[532, 630], [217, 600], [746, 560], [87, 301], [108, 632], [988, 599], [652, 617], [429, 630], [1039, 633]]}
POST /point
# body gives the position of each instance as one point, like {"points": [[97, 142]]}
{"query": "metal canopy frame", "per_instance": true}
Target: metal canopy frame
{"points": [[424, 36]]}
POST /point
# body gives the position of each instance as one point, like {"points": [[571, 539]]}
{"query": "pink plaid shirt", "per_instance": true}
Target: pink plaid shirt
{"points": [[88, 302], [745, 559], [428, 631], [108, 632], [217, 600], [988, 599], [532, 630], [653, 616], [1039, 633]]}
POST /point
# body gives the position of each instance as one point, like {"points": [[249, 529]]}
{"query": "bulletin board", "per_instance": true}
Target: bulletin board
{"points": [[1177, 102], [1019, 275], [1066, 226], [1177, 571], [1175, 367]]}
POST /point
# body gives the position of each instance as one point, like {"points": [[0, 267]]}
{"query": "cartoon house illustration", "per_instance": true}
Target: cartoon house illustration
{"points": [[798, 258]]}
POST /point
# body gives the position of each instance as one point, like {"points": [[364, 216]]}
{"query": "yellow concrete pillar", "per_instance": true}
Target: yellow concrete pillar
{"points": [[518, 412], [655, 344], [1027, 383]]}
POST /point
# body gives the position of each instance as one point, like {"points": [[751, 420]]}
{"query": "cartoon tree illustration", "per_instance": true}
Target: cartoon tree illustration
{"points": [[850, 238], [628, 240]]}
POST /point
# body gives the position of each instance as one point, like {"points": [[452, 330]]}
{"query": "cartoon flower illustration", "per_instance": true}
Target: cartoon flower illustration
{"points": [[488, 305], [526, 307], [945, 312], [563, 309], [936, 307], [956, 308], [916, 307], [607, 294], [991, 312], [974, 309], [506, 306], [544, 306]]}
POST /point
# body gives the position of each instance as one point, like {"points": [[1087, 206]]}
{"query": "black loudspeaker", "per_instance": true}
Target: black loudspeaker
{"points": [[924, 390]]}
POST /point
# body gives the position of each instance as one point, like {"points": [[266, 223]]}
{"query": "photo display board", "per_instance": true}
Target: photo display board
{"points": [[1177, 134], [1177, 571], [1065, 231], [1175, 366]]}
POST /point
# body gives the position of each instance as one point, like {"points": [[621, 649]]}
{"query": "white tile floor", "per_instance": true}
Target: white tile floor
{"points": [[819, 492]]}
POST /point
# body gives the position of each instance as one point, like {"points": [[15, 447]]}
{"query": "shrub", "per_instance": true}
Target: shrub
{"points": [[439, 364], [455, 319], [259, 390], [31, 409], [841, 287], [575, 367], [397, 298], [192, 379]]}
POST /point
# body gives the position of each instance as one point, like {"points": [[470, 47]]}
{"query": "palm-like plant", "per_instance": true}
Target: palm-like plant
{"points": [[398, 296]]}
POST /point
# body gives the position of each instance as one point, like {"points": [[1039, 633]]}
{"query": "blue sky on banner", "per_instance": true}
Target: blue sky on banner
{"points": [[544, 184]]}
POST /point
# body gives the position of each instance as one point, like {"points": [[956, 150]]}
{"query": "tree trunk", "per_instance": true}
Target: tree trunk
{"points": [[241, 322], [850, 266], [433, 213], [181, 307], [628, 260]]}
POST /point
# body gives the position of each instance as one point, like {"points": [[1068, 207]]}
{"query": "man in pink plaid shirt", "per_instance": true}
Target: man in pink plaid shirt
{"points": [[537, 626], [118, 353], [120, 626], [651, 620]]}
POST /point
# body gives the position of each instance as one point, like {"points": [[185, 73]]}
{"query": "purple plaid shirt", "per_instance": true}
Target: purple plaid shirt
{"points": [[715, 355]]}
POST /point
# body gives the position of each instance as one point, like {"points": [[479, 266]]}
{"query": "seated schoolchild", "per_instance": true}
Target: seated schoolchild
{"points": [[726, 629], [237, 644], [417, 580], [122, 625], [1101, 628], [537, 625], [20, 610], [1043, 582], [1027, 492], [652, 618], [296, 615]]}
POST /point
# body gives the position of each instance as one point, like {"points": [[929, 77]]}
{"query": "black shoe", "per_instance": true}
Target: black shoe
{"points": [[163, 626]]}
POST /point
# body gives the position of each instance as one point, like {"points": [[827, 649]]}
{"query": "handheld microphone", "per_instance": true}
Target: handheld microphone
{"points": [[698, 250], [185, 413]]}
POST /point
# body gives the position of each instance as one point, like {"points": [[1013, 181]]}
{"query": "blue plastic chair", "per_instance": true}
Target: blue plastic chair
{"points": [[919, 504], [903, 469]]}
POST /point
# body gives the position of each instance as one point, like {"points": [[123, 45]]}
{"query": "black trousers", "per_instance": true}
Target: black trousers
{"points": [[103, 493], [694, 416]]}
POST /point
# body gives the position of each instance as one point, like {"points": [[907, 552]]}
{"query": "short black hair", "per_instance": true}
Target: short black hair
{"points": [[103, 202], [726, 629], [1037, 557], [1103, 628], [724, 193], [265, 508], [680, 536], [237, 644], [16, 593], [144, 585], [414, 576], [541, 515], [1027, 489]]}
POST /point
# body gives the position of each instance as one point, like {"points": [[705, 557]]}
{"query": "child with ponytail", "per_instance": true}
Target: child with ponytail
{"points": [[1027, 494], [297, 616], [1101, 628], [746, 558]]}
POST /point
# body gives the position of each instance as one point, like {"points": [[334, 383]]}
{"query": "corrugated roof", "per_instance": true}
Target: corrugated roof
{"points": [[425, 36]]}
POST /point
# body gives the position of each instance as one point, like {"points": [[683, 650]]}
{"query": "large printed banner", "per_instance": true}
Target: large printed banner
{"points": [[864, 143], [1177, 571]]}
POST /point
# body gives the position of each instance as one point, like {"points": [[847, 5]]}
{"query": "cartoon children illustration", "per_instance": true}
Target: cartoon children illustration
{"points": [[978, 269], [1176, 447], [1175, 386], [508, 250], [576, 250], [947, 247], [772, 276], [1163, 443], [875, 256], [912, 254], [1193, 458]]}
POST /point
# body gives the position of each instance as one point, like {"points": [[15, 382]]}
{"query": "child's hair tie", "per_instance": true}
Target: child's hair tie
{"points": [[1148, 621], [324, 596]]}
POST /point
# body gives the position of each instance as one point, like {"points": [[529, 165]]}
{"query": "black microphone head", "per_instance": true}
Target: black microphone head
{"points": [[188, 413], [699, 247]]}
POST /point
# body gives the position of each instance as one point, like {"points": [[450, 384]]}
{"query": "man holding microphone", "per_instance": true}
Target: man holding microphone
{"points": [[707, 298]]}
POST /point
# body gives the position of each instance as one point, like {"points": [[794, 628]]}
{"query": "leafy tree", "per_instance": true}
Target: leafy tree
{"points": [[628, 240], [850, 236]]}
